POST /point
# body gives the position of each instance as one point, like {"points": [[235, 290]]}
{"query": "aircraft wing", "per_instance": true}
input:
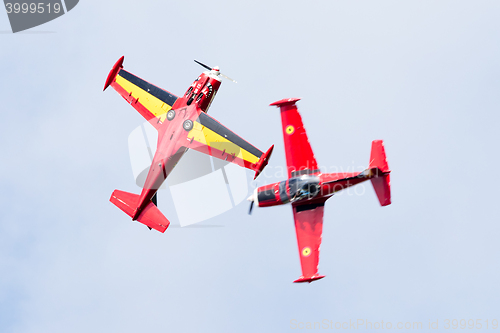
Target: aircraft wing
{"points": [[211, 137], [300, 158], [309, 227], [150, 101]]}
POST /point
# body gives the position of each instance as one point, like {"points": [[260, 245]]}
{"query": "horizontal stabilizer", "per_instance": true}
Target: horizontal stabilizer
{"points": [[150, 216], [309, 279]]}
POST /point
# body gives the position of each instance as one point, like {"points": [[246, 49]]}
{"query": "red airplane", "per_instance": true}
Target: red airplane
{"points": [[307, 188], [182, 124]]}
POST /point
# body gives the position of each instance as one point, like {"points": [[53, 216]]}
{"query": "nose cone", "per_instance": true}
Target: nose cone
{"points": [[253, 197], [216, 68]]}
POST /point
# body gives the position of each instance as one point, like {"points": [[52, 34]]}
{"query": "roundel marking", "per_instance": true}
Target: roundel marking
{"points": [[289, 129], [306, 252]]}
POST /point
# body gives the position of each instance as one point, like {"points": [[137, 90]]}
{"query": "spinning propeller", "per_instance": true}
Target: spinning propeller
{"points": [[215, 69], [252, 200]]}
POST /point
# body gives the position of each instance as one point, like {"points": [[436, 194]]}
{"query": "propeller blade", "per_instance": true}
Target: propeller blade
{"points": [[251, 207], [203, 65], [219, 73], [227, 77]]}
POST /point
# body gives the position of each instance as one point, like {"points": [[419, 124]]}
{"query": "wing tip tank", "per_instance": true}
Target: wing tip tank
{"points": [[264, 159], [309, 279], [112, 73], [285, 101]]}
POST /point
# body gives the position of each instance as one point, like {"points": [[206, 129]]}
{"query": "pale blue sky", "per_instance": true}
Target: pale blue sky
{"points": [[421, 75]]}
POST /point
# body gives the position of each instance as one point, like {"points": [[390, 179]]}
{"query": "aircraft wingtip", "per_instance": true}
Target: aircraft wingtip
{"points": [[112, 73], [285, 101], [309, 279], [264, 159]]}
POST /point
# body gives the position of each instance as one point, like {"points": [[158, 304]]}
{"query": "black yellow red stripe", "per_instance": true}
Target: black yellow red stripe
{"points": [[156, 100], [157, 92], [210, 132]]}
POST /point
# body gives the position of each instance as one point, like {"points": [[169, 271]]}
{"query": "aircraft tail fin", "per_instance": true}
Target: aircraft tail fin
{"points": [[382, 181], [378, 158], [150, 216]]}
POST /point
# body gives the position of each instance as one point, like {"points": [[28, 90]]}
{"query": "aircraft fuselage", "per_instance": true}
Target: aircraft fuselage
{"points": [[308, 187], [171, 145]]}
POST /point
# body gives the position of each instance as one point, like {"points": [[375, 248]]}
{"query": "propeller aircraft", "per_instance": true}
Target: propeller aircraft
{"points": [[182, 123], [307, 188]]}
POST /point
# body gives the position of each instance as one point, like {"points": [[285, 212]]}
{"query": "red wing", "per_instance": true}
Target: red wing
{"points": [[309, 227], [150, 101], [299, 155]]}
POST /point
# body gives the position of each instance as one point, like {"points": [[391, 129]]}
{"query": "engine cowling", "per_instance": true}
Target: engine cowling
{"points": [[203, 90]]}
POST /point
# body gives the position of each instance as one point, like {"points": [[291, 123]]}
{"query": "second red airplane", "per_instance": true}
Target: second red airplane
{"points": [[307, 188]]}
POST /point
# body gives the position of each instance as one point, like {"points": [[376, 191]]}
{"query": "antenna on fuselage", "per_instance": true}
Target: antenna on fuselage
{"points": [[215, 70]]}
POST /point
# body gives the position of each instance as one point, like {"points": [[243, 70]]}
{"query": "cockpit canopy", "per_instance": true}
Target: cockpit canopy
{"points": [[294, 189], [303, 187]]}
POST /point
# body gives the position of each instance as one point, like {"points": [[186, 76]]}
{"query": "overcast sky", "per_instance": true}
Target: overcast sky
{"points": [[421, 75]]}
